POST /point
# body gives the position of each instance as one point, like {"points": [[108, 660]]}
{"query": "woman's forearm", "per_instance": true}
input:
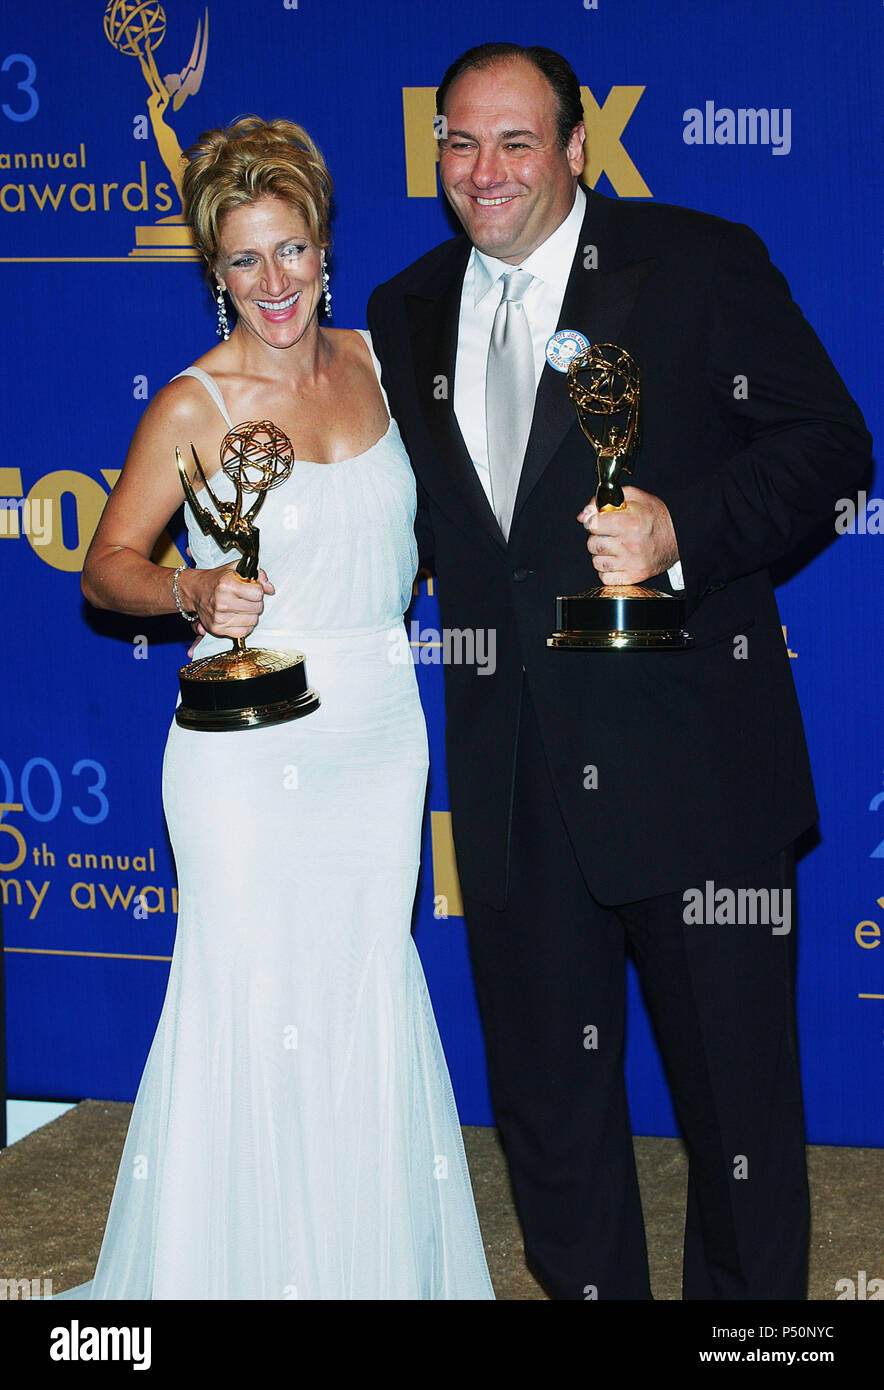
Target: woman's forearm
{"points": [[123, 581]]}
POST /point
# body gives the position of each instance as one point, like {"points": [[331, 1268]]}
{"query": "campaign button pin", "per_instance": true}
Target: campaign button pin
{"points": [[564, 345]]}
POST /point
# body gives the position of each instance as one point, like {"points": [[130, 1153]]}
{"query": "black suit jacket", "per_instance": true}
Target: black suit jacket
{"points": [[700, 755]]}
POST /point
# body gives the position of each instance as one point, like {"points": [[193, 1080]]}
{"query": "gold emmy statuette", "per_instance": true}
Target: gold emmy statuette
{"points": [[137, 28], [248, 686], [614, 617]]}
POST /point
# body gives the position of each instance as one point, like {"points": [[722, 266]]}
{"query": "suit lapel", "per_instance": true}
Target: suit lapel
{"points": [[598, 304], [432, 324]]}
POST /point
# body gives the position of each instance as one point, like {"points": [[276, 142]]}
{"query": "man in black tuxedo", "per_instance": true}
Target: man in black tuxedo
{"points": [[595, 795]]}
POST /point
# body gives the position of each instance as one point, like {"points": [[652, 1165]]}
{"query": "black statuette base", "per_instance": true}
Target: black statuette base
{"points": [[620, 618], [276, 692]]}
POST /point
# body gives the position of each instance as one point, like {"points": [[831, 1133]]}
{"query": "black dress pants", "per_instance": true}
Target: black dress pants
{"points": [[550, 979]]}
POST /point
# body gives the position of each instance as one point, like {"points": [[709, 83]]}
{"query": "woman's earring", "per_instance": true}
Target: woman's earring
{"points": [[223, 329], [325, 290]]}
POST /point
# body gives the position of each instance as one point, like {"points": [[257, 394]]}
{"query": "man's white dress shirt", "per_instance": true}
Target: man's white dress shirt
{"points": [[550, 264]]}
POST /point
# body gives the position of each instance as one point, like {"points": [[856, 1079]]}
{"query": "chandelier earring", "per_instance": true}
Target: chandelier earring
{"points": [[223, 329], [325, 288]]}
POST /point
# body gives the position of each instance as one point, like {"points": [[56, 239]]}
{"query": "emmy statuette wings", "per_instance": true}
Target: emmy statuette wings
{"points": [[614, 617], [248, 686]]}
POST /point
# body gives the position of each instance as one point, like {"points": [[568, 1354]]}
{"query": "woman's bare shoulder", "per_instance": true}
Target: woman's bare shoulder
{"points": [[183, 403], [348, 340]]}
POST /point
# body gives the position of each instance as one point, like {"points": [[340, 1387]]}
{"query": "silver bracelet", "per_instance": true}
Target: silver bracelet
{"points": [[191, 617]]}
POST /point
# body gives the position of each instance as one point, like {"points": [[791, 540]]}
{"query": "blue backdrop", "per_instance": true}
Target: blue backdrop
{"points": [[103, 303]]}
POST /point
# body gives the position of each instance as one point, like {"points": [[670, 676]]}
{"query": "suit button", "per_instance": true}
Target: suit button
{"points": [[520, 574]]}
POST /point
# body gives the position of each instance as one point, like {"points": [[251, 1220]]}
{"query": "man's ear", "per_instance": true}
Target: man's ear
{"points": [[575, 149]]}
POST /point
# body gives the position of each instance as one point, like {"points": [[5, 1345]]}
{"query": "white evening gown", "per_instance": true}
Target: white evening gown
{"points": [[295, 1134]]}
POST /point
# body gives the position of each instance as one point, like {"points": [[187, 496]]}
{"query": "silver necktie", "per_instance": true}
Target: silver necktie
{"points": [[510, 388]]}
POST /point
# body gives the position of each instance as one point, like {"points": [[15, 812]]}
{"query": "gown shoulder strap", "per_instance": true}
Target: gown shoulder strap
{"points": [[211, 386]]}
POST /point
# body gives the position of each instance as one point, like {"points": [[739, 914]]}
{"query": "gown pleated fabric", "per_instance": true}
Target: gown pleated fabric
{"points": [[295, 1135]]}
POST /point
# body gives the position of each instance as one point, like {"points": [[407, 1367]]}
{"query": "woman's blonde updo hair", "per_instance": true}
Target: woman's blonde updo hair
{"points": [[248, 160]]}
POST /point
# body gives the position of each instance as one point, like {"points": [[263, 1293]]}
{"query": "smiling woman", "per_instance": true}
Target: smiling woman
{"points": [[295, 1110], [270, 268], [227, 174]]}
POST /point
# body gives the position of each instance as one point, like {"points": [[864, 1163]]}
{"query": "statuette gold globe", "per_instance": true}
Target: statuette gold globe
{"points": [[133, 26], [257, 455]]}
